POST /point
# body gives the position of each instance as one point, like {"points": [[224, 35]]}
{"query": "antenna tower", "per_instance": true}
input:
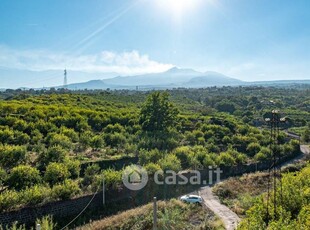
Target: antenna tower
{"points": [[274, 123], [65, 79]]}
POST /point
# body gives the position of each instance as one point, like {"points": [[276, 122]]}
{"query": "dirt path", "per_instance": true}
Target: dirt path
{"points": [[229, 218]]}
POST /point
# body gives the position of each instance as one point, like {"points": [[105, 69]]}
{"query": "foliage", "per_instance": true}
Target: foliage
{"points": [[65, 190], [172, 214], [170, 162], [293, 211], [158, 114], [23, 176], [11, 156], [56, 172]]}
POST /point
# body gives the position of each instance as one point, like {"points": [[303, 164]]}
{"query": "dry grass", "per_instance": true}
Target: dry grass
{"points": [[172, 214], [239, 193]]}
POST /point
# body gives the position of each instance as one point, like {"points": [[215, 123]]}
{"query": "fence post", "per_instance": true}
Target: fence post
{"points": [[155, 213]]}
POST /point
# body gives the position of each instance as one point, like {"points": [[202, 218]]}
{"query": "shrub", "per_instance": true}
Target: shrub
{"points": [[151, 168], [149, 156], [90, 172], [61, 140], [53, 154], [36, 194], [253, 148], [65, 190], [23, 176], [3, 176], [226, 159], [170, 162], [263, 155], [11, 156], [97, 142], [56, 172], [74, 168], [8, 199], [112, 178], [208, 161], [46, 223]]}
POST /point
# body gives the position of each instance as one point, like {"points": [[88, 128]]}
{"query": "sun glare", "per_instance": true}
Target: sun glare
{"points": [[178, 7]]}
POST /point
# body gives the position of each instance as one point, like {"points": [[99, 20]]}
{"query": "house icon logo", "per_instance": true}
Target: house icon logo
{"points": [[135, 177]]}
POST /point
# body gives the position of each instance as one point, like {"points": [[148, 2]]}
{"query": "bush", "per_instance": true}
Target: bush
{"points": [[74, 168], [36, 195], [8, 200], [23, 176], [11, 156], [90, 173], [263, 155], [61, 140], [65, 190], [97, 142], [53, 154], [112, 178], [253, 148], [225, 159], [115, 139], [3, 176], [56, 172], [152, 168], [208, 161], [146, 157], [170, 162], [46, 223]]}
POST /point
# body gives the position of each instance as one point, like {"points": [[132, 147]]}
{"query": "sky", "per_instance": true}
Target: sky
{"points": [[250, 40]]}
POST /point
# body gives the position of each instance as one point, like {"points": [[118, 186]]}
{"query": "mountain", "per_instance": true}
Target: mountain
{"points": [[171, 78], [94, 84], [212, 79]]}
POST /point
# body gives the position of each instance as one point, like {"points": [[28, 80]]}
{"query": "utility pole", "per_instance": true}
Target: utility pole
{"points": [[65, 79], [103, 192], [274, 123], [155, 213]]}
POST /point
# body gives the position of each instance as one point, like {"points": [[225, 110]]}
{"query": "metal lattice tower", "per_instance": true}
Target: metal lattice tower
{"points": [[65, 78], [274, 122]]}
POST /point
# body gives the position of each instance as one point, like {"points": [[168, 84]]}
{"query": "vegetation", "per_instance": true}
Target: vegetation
{"points": [[171, 214], [247, 196], [293, 206], [45, 136]]}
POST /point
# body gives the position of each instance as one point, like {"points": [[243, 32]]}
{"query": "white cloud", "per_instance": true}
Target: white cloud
{"points": [[107, 61]]}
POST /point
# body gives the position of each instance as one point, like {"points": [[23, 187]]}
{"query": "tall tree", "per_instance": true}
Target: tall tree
{"points": [[158, 113]]}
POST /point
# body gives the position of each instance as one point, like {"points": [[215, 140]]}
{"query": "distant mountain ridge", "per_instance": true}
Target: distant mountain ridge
{"points": [[174, 77]]}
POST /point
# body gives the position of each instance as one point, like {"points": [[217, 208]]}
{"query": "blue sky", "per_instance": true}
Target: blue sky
{"points": [[246, 39]]}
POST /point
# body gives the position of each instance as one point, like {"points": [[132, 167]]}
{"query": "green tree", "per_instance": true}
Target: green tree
{"points": [[56, 172], [23, 176], [11, 156], [97, 142], [158, 113], [170, 162], [65, 190], [53, 154]]}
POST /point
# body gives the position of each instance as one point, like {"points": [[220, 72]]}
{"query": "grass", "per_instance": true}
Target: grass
{"points": [[239, 193], [172, 214]]}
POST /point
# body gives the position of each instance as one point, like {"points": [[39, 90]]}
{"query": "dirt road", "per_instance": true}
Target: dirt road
{"points": [[229, 218]]}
